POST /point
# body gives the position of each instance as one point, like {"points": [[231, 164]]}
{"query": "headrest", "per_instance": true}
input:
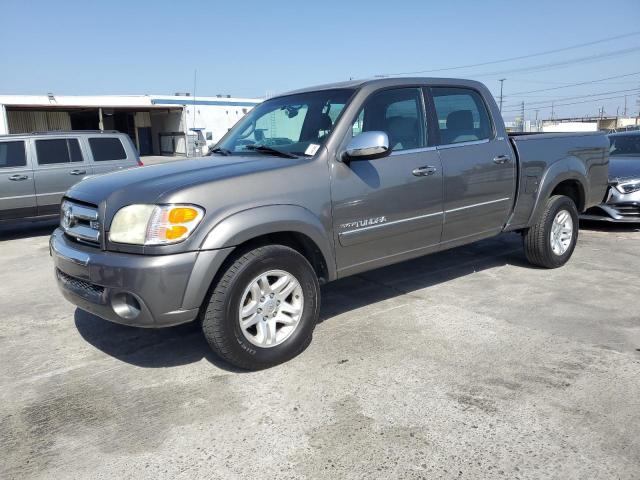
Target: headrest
{"points": [[460, 120], [325, 122], [402, 127]]}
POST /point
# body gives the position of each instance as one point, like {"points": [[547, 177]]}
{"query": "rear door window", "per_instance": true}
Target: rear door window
{"points": [[58, 150], [106, 149], [462, 115], [12, 154]]}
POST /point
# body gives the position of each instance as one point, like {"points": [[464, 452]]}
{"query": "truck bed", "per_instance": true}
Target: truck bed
{"points": [[538, 154]]}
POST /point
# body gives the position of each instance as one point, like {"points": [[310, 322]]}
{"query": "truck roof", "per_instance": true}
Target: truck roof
{"points": [[389, 82]]}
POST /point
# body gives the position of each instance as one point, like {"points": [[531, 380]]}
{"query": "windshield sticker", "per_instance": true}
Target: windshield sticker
{"points": [[311, 149]]}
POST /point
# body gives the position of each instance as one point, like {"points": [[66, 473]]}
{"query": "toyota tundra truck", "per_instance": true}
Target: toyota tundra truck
{"points": [[313, 186]]}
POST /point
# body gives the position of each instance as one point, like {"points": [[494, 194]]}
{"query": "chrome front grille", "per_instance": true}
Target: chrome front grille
{"points": [[80, 222]]}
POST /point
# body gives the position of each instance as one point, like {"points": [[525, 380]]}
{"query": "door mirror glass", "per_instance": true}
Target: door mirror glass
{"points": [[367, 146]]}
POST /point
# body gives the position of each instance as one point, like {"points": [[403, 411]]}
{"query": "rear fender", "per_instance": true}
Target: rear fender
{"points": [[569, 168]]}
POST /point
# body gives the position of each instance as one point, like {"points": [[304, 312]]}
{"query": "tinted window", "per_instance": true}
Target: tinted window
{"points": [[462, 115], [58, 150], [105, 149], [625, 145], [397, 112], [12, 154]]}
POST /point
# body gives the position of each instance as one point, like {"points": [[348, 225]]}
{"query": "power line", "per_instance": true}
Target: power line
{"points": [[564, 63], [575, 84], [553, 104], [575, 97], [520, 57]]}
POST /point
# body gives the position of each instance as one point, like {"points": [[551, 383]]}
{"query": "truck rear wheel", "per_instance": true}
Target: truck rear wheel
{"points": [[551, 241], [264, 308]]}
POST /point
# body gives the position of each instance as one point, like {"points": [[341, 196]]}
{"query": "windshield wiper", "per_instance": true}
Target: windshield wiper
{"points": [[222, 151], [270, 150]]}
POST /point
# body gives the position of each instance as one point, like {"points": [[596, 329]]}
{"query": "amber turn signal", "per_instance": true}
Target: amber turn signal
{"points": [[174, 232], [182, 215]]}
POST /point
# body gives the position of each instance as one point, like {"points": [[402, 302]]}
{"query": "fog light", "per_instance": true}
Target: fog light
{"points": [[125, 305]]}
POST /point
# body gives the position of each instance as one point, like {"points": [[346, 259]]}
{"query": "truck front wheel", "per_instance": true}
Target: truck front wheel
{"points": [[551, 241], [263, 309]]}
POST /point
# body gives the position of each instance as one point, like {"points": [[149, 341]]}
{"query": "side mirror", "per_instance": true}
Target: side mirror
{"points": [[367, 146]]}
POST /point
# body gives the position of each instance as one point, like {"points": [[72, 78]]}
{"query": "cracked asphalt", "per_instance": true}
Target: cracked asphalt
{"points": [[464, 364]]}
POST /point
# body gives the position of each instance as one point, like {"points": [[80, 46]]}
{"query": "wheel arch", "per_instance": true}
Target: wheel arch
{"points": [[566, 177], [289, 225]]}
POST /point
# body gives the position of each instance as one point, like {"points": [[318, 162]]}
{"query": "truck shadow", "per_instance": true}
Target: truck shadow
{"points": [[148, 348], [609, 226], [26, 229], [185, 344]]}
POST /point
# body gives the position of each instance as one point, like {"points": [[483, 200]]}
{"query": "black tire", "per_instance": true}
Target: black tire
{"points": [[220, 319], [537, 239]]}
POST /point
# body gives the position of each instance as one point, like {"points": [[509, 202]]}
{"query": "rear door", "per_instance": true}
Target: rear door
{"points": [[110, 154], [388, 209], [17, 191], [479, 173], [59, 165]]}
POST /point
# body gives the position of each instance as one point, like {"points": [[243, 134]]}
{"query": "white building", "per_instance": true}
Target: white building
{"points": [[157, 124], [590, 124]]}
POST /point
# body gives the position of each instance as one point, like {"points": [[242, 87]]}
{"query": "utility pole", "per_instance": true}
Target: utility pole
{"points": [[501, 84], [522, 115], [625, 106], [537, 129], [552, 105]]}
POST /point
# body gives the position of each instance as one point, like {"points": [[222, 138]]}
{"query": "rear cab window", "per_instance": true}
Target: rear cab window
{"points": [[462, 115], [53, 151], [12, 154], [106, 149]]}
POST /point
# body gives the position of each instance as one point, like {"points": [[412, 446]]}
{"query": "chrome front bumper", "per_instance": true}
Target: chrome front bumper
{"points": [[618, 207]]}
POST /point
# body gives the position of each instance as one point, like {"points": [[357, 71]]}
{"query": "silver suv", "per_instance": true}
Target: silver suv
{"points": [[37, 168]]}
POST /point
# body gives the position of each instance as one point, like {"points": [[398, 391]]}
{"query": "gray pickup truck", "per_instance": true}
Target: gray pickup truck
{"points": [[310, 187]]}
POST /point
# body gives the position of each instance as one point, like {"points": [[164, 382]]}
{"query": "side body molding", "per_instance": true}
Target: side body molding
{"points": [[247, 224]]}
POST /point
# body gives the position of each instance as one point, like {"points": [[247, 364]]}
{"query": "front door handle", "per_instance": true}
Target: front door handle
{"points": [[18, 177], [77, 172], [501, 159], [424, 171]]}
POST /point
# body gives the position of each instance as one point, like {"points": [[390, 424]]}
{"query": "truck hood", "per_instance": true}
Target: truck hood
{"points": [[148, 184], [623, 167]]}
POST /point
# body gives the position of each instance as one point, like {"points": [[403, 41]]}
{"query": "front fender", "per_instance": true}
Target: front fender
{"points": [[255, 222]]}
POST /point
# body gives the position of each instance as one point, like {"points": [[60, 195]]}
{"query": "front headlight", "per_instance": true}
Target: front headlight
{"points": [[628, 187], [154, 224]]}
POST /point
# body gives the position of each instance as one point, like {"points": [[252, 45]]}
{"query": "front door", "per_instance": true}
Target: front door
{"points": [[479, 173], [60, 164], [390, 208], [17, 192]]}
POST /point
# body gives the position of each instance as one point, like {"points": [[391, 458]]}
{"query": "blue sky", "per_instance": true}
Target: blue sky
{"points": [[248, 48]]}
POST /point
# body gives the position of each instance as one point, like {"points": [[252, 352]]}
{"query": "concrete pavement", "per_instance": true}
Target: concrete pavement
{"points": [[465, 364]]}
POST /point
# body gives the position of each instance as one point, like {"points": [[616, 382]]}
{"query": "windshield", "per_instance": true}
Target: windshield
{"points": [[624, 145], [297, 124]]}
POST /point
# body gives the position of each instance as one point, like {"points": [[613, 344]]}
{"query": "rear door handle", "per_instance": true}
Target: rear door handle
{"points": [[77, 172], [424, 171], [501, 159], [18, 177]]}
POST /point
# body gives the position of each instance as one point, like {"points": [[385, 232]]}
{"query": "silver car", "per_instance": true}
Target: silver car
{"points": [[622, 201], [37, 168]]}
